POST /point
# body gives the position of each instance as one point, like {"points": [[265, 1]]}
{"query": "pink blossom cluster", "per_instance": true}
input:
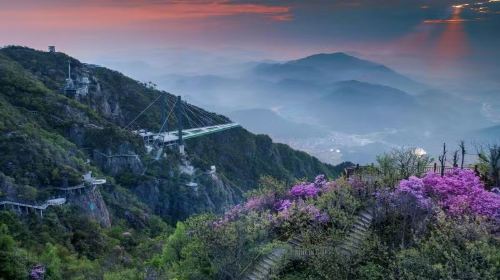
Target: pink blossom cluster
{"points": [[282, 204], [37, 272], [329, 187], [254, 203], [414, 187], [232, 214], [356, 183], [259, 202], [304, 190], [457, 192], [300, 210], [285, 206], [320, 181]]}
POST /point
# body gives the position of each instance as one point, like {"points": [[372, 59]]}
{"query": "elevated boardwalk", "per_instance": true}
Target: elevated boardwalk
{"points": [[88, 181], [72, 188], [50, 202], [27, 206]]}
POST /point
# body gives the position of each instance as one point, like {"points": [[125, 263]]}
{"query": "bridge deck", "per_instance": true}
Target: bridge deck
{"points": [[172, 136]]}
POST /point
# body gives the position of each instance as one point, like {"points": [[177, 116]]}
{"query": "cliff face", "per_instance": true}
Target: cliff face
{"points": [[90, 201], [117, 163], [48, 139], [182, 194]]}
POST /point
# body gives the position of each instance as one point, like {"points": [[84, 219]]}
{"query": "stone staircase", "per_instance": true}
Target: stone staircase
{"points": [[270, 262], [357, 234], [295, 242]]}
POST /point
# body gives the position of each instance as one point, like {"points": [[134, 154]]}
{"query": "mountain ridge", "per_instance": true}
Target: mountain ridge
{"points": [[338, 66], [114, 100]]}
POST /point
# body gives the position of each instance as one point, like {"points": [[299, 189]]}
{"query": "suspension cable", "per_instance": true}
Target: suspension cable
{"points": [[195, 116], [165, 122], [205, 118], [140, 114]]}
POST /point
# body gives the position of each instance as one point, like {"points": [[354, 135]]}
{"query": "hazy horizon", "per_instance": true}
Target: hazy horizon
{"points": [[208, 51]]}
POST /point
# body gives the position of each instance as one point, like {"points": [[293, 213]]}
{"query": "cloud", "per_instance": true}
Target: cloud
{"points": [[387, 31], [88, 14]]}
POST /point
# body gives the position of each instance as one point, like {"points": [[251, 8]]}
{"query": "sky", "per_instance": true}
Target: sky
{"points": [[452, 41]]}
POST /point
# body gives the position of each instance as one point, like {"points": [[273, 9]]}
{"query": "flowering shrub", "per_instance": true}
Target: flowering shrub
{"points": [[356, 183], [329, 187], [281, 210], [283, 204], [37, 272], [230, 215], [458, 192], [304, 190], [414, 187], [301, 213], [320, 181], [259, 202]]}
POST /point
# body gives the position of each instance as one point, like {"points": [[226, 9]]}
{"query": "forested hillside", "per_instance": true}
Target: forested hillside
{"points": [[49, 140]]}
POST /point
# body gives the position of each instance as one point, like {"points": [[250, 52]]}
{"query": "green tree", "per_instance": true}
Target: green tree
{"points": [[402, 163], [52, 262], [491, 157], [12, 261], [183, 256], [175, 243], [454, 250]]}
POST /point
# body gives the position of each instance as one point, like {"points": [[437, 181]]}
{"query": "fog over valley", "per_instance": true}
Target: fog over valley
{"points": [[335, 106]]}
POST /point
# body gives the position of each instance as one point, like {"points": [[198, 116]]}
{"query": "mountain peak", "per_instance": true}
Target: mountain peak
{"points": [[329, 55], [338, 66], [332, 59]]}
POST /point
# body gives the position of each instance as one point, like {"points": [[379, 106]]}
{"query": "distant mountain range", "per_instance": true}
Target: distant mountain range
{"points": [[354, 106], [326, 68], [340, 93]]}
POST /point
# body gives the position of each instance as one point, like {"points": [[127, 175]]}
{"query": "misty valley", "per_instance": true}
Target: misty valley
{"points": [[329, 102], [249, 140]]}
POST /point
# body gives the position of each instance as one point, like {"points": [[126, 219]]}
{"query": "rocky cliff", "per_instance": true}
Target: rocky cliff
{"points": [[90, 201]]}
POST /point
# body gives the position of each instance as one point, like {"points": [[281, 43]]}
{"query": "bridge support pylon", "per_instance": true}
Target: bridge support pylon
{"points": [[180, 113], [164, 113]]}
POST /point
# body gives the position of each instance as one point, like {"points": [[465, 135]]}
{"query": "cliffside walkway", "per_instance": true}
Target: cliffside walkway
{"points": [[26, 206], [72, 188], [88, 181], [272, 262]]}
